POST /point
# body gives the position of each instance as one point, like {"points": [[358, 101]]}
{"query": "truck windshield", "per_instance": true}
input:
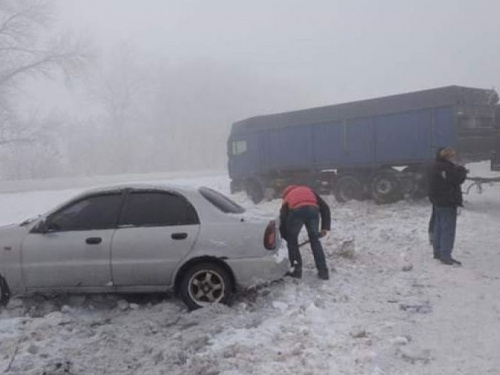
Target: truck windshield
{"points": [[220, 201], [477, 117]]}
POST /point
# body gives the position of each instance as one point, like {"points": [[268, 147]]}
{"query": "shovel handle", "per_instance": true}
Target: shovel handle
{"points": [[304, 243], [307, 241]]}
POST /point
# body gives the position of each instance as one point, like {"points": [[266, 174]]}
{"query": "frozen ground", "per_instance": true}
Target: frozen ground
{"points": [[389, 308]]}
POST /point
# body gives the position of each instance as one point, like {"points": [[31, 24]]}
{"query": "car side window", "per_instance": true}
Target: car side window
{"points": [[157, 209], [220, 201], [94, 212]]}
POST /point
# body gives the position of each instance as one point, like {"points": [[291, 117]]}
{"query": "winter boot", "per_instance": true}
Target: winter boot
{"points": [[296, 273], [456, 262], [324, 275]]}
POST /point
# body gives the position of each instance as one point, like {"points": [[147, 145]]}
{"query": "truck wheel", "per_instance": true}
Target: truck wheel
{"points": [[254, 191], [204, 284], [386, 187], [4, 292], [418, 180], [347, 188]]}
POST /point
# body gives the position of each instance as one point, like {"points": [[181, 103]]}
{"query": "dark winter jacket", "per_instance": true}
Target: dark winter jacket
{"points": [[324, 210], [445, 179]]}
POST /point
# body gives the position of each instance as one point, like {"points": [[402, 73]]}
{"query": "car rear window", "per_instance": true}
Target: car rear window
{"points": [[220, 201]]}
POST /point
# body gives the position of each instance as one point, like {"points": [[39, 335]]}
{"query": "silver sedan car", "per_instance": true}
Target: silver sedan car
{"points": [[142, 238]]}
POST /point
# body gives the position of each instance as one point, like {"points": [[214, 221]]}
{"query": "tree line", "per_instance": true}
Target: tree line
{"points": [[134, 113]]}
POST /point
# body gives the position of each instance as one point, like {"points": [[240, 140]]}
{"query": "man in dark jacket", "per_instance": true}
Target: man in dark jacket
{"points": [[302, 206], [445, 194]]}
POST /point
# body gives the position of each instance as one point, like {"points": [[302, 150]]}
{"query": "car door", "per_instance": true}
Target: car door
{"points": [[73, 246], [156, 231]]}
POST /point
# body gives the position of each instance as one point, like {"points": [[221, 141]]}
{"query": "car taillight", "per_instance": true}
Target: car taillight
{"points": [[270, 236]]}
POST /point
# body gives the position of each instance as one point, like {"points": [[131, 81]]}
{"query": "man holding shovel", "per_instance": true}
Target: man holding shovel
{"points": [[302, 206]]}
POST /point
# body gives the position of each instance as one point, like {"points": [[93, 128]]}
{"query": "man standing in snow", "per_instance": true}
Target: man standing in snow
{"points": [[302, 206], [445, 194]]}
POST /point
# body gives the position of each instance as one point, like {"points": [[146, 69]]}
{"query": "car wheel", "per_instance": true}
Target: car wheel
{"points": [[204, 284], [4, 292]]}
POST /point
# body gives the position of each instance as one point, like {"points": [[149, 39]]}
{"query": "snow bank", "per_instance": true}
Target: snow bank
{"points": [[376, 315]]}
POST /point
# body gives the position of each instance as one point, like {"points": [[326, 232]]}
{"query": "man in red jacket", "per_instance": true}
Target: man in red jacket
{"points": [[302, 206]]}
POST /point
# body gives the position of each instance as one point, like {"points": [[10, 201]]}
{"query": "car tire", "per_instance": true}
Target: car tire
{"points": [[4, 292], [204, 284]]}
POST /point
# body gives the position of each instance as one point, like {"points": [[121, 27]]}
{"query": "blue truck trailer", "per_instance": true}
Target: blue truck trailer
{"points": [[378, 148]]}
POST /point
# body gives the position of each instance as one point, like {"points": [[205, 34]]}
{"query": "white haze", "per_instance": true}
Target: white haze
{"points": [[168, 78]]}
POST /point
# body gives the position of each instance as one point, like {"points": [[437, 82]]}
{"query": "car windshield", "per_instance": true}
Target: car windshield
{"points": [[220, 201]]}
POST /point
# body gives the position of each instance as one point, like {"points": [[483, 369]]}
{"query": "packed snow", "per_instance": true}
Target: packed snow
{"points": [[389, 308]]}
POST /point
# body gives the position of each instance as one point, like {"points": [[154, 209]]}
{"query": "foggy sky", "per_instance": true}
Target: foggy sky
{"points": [[170, 77], [331, 51]]}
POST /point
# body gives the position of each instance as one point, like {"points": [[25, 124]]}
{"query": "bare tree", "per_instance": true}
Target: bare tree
{"points": [[122, 88], [27, 49]]}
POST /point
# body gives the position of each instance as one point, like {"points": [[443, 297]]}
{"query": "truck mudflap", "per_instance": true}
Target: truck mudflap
{"points": [[495, 161], [235, 186]]}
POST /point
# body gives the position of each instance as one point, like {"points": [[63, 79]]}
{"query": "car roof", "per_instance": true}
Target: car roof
{"points": [[142, 186], [168, 187]]}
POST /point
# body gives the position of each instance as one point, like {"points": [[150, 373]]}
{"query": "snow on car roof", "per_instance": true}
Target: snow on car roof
{"points": [[141, 185]]}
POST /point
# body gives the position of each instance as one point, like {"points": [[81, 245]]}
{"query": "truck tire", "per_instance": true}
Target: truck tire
{"points": [[418, 180], [347, 188], [386, 187], [254, 191], [4, 292]]}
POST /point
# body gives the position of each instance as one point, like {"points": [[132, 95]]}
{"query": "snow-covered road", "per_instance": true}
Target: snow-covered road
{"points": [[389, 308]]}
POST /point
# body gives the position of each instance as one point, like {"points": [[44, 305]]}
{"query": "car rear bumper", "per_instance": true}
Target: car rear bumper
{"points": [[254, 271]]}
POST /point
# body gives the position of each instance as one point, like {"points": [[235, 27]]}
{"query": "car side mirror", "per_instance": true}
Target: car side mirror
{"points": [[41, 227], [45, 226]]}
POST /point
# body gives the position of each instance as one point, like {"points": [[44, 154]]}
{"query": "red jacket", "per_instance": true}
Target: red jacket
{"points": [[297, 196]]}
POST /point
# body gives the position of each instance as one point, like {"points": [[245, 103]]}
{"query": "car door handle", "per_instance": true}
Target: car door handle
{"points": [[93, 240], [179, 236]]}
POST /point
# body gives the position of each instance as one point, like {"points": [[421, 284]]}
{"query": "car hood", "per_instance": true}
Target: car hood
{"points": [[11, 235]]}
